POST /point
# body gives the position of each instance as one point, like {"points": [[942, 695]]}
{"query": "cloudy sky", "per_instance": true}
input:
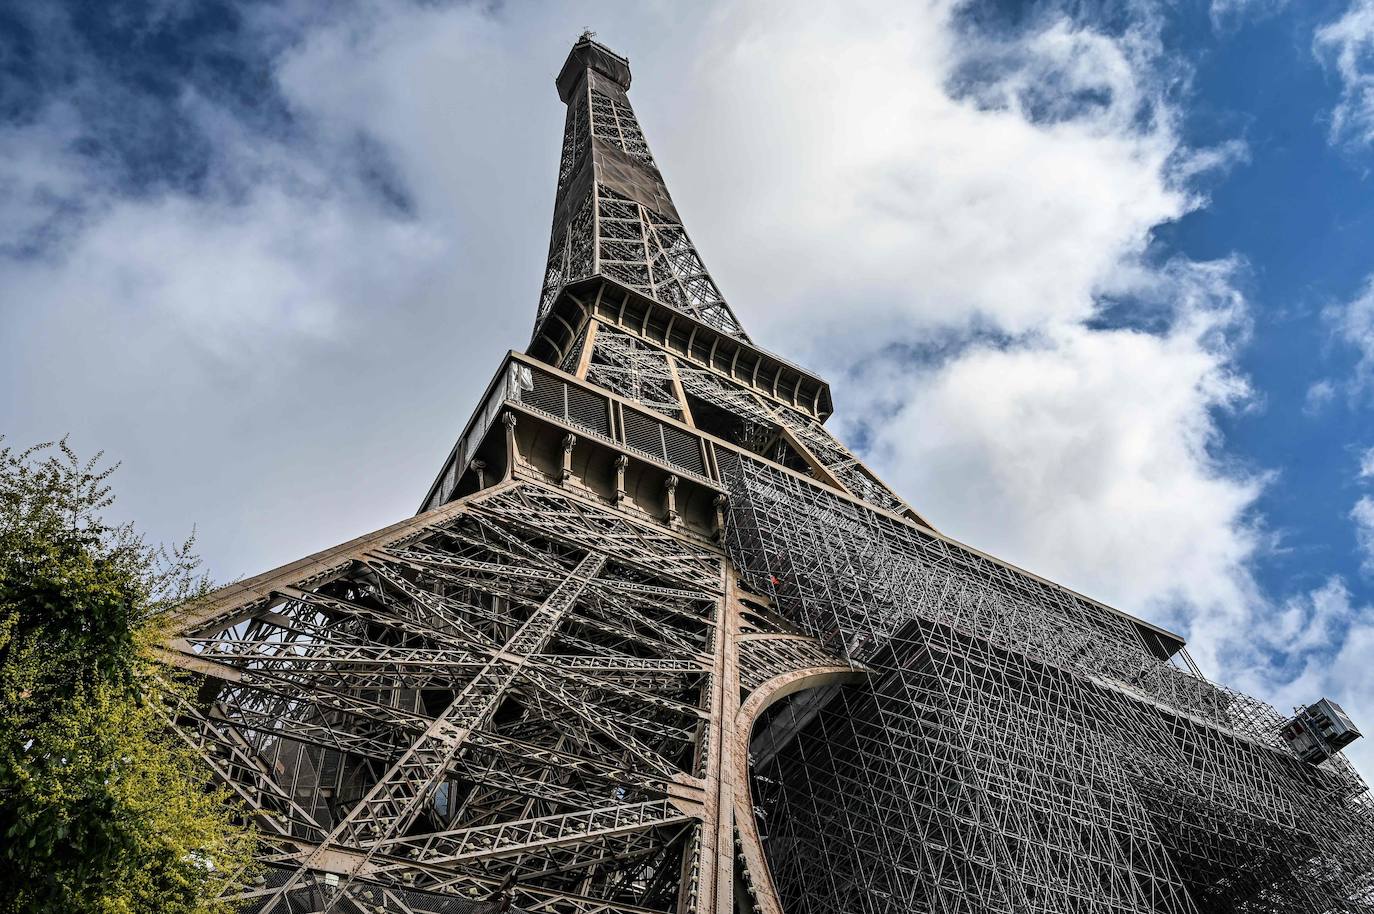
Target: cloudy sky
{"points": [[1093, 282]]}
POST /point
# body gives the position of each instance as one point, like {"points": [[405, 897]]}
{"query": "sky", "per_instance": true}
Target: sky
{"points": [[1093, 282]]}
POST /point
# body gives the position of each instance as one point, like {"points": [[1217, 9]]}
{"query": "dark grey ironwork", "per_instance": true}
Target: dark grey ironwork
{"points": [[656, 642]]}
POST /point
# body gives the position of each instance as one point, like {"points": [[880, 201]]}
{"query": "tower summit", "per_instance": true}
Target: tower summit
{"points": [[658, 642], [613, 214]]}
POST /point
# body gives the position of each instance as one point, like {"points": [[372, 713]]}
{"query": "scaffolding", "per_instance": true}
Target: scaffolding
{"points": [[1017, 747]]}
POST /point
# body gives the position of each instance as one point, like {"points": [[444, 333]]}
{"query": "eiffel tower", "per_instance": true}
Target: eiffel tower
{"points": [[658, 642]]}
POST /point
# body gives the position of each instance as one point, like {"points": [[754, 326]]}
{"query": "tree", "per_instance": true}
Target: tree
{"points": [[102, 808]]}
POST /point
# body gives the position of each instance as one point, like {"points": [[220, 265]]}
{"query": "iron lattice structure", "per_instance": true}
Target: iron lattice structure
{"points": [[657, 642]]}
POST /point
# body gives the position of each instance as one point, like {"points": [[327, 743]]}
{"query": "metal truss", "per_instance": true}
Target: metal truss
{"points": [[613, 119], [635, 370], [781, 432], [650, 251], [453, 700], [572, 251], [614, 215], [658, 642]]}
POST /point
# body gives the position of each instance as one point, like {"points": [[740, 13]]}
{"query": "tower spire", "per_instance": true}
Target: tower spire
{"points": [[613, 215]]}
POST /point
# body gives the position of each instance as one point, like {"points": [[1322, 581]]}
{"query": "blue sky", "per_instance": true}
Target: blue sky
{"points": [[1301, 213], [1092, 280]]}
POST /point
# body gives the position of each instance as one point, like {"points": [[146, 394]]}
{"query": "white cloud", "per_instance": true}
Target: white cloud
{"points": [[267, 253], [1318, 396], [1345, 677], [1354, 324], [1347, 45], [1319, 643], [1228, 15], [943, 211], [1312, 621], [240, 279], [1325, 641], [36, 172], [1363, 516], [1086, 455], [191, 331]]}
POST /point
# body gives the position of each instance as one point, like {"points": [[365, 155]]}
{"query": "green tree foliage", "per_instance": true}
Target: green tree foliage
{"points": [[102, 808]]}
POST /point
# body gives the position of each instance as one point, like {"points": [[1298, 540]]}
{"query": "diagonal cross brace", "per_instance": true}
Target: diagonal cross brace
{"points": [[507, 839], [272, 804], [395, 800]]}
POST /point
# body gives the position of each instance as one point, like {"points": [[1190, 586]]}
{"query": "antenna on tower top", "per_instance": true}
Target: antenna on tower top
{"points": [[588, 34]]}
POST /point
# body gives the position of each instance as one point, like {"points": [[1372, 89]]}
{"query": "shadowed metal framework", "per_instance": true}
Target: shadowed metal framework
{"points": [[658, 642]]}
